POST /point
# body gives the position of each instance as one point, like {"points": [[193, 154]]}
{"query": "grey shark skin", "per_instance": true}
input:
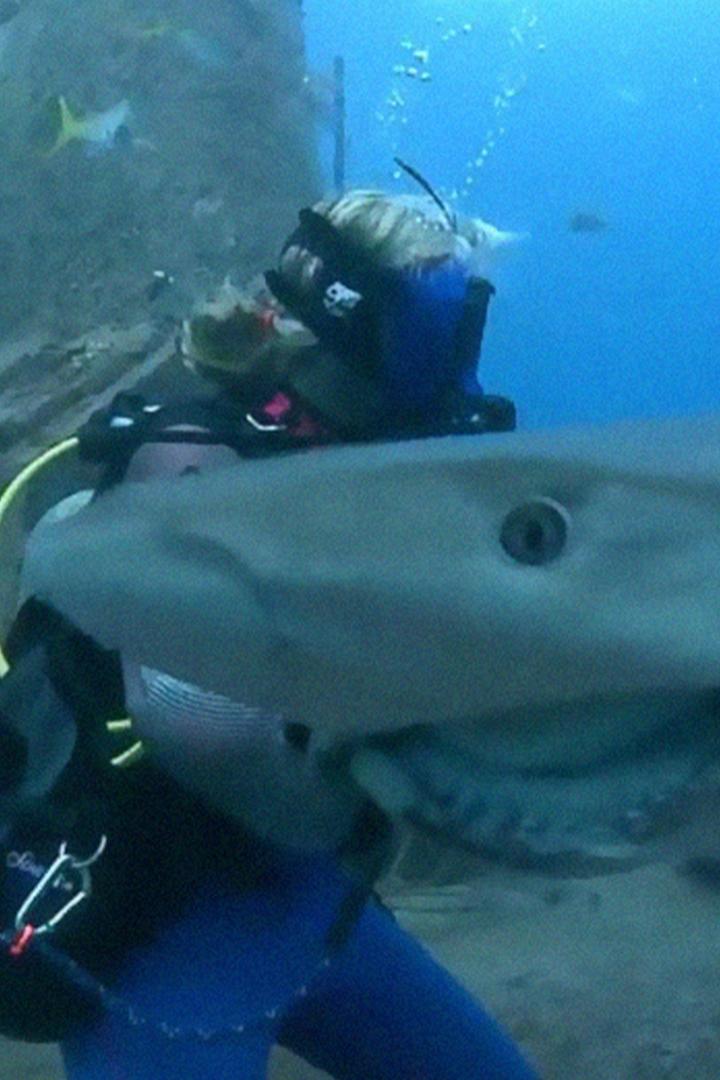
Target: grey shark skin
{"points": [[544, 605], [366, 588]]}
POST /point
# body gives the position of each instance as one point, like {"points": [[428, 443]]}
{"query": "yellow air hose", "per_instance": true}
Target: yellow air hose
{"points": [[11, 492]]}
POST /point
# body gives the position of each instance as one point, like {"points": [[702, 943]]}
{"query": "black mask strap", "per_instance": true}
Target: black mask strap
{"points": [[340, 306]]}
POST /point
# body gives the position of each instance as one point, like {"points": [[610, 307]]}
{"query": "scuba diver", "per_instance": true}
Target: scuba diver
{"points": [[153, 932]]}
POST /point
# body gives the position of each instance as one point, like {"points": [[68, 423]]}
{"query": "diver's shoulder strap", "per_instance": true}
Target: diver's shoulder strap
{"points": [[112, 435]]}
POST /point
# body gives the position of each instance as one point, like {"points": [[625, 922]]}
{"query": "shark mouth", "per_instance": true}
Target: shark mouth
{"points": [[581, 789]]}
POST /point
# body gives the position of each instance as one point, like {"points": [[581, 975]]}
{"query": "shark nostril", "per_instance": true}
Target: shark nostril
{"points": [[536, 532]]}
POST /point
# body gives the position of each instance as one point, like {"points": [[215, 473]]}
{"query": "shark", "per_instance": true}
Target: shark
{"points": [[511, 641]]}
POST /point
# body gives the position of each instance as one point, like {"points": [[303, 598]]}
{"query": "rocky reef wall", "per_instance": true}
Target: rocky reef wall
{"points": [[190, 146]]}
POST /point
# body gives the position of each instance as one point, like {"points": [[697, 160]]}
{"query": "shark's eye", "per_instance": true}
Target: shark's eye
{"points": [[536, 532]]}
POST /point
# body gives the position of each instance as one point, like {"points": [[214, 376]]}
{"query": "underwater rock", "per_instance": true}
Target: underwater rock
{"points": [[8, 10], [48, 388], [152, 115]]}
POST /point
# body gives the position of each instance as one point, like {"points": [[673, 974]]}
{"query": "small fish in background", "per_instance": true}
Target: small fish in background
{"points": [[153, 30], [160, 282], [201, 48], [8, 10], [60, 126], [629, 95], [585, 221]]}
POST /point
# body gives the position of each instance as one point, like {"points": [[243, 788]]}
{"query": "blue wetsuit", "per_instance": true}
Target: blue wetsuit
{"points": [[380, 1009]]}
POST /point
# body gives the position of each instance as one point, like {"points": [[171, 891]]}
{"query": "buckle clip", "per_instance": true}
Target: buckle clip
{"points": [[66, 867]]}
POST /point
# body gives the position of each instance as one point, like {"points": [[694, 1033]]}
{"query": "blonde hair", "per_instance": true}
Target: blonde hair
{"points": [[413, 231], [399, 231], [226, 336]]}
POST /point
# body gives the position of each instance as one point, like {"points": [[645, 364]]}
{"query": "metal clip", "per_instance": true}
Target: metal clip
{"points": [[64, 866]]}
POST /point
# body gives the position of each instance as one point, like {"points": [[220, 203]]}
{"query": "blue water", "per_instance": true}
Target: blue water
{"points": [[611, 108]]}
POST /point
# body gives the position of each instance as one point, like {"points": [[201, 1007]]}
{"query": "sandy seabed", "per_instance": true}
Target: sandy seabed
{"points": [[613, 978]]}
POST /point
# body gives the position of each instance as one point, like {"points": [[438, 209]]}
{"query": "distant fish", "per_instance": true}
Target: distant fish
{"points": [[206, 51], [153, 30], [100, 129], [161, 280], [587, 222], [629, 95]]}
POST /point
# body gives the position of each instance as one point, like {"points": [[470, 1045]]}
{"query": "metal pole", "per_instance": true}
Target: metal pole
{"points": [[339, 108]]}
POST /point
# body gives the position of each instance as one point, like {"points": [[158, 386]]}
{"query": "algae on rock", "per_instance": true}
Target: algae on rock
{"points": [[200, 177]]}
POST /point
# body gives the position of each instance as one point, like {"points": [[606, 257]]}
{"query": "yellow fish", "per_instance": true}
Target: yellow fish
{"points": [[99, 128]]}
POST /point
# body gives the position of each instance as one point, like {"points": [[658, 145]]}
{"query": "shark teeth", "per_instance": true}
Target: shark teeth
{"points": [[591, 817]]}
